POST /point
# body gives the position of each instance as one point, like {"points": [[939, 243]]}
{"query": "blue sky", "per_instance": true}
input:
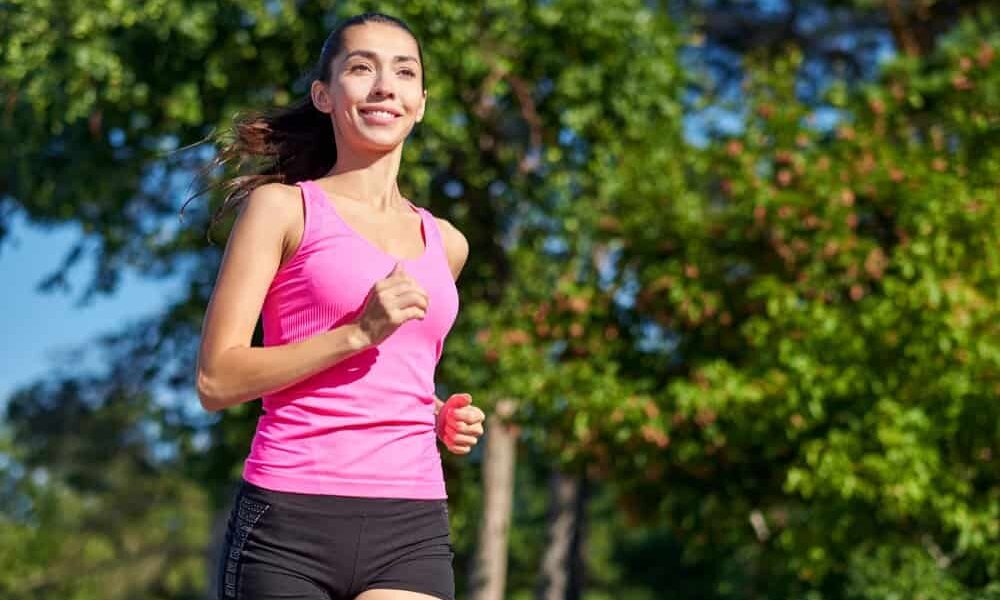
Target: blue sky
{"points": [[37, 326]]}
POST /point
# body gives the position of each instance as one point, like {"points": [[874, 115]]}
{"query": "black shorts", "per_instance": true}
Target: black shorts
{"points": [[308, 546]]}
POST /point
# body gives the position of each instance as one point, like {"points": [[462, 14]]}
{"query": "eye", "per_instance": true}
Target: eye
{"points": [[408, 73], [359, 67]]}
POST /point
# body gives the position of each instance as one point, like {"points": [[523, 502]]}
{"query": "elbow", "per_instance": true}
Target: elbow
{"points": [[212, 399]]}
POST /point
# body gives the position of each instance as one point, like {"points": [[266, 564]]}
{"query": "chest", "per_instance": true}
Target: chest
{"points": [[400, 235], [339, 273]]}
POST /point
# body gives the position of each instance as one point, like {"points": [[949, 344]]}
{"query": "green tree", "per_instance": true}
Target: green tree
{"points": [[827, 301]]}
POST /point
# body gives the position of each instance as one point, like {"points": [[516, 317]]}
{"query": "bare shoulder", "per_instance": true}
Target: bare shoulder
{"points": [[455, 245], [276, 209], [274, 199]]}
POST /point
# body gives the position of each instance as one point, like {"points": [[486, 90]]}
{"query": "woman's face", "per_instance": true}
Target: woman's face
{"points": [[375, 94]]}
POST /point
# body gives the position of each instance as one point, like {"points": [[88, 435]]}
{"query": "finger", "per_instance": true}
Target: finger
{"points": [[390, 289], [464, 440], [472, 430], [403, 315], [404, 277], [468, 414], [454, 445], [401, 284], [397, 283], [452, 435], [410, 298], [415, 291], [459, 449]]}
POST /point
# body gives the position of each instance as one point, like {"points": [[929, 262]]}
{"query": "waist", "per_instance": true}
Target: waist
{"points": [[348, 457], [351, 449]]}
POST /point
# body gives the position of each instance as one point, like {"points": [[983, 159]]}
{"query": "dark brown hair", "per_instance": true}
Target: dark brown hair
{"points": [[287, 144]]}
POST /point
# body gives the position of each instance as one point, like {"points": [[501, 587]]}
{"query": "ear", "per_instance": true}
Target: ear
{"points": [[321, 97], [423, 106]]}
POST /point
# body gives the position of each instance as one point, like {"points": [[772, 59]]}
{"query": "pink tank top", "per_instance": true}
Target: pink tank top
{"points": [[365, 426]]}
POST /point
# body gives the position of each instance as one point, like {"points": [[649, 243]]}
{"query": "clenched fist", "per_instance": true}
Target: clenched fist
{"points": [[459, 424], [391, 302]]}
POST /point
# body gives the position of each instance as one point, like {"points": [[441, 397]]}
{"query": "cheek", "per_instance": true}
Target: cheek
{"points": [[350, 92], [343, 105], [413, 103]]}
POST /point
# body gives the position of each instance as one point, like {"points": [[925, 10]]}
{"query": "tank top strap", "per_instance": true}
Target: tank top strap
{"points": [[318, 211], [431, 229], [310, 195], [309, 213]]}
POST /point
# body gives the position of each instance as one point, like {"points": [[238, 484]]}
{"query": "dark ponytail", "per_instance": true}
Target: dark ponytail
{"points": [[288, 144]]}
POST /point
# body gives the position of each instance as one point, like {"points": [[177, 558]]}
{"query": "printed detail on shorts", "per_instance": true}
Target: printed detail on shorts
{"points": [[248, 513]]}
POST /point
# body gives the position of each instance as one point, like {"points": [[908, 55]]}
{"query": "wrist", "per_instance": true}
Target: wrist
{"points": [[357, 338]]}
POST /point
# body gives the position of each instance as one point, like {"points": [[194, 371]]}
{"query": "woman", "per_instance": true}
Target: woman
{"points": [[342, 494]]}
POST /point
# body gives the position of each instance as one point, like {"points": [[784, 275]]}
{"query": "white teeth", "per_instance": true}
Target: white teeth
{"points": [[380, 113]]}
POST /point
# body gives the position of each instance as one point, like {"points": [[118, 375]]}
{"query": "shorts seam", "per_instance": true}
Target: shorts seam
{"points": [[357, 553], [248, 514]]}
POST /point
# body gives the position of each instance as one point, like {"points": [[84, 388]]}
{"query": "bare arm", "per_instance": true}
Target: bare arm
{"points": [[230, 371], [455, 245], [458, 424]]}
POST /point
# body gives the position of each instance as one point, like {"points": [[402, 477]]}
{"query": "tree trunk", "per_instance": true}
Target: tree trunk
{"points": [[577, 550], [561, 575], [902, 32], [489, 569]]}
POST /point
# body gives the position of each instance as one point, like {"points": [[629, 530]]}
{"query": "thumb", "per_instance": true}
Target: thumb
{"points": [[396, 269], [459, 400]]}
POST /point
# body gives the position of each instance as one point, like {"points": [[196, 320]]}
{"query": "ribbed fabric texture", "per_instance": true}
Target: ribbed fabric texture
{"points": [[365, 426]]}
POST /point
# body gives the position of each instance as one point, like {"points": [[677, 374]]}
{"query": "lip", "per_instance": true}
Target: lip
{"points": [[379, 116], [388, 109]]}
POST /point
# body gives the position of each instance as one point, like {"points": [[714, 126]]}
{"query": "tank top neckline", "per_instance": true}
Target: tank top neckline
{"points": [[324, 198]]}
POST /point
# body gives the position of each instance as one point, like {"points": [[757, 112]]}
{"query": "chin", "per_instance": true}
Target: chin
{"points": [[380, 144], [382, 141]]}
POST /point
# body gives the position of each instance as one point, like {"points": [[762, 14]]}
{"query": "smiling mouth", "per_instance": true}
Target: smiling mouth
{"points": [[379, 114]]}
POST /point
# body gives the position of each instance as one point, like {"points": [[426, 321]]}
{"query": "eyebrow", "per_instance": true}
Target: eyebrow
{"points": [[369, 54]]}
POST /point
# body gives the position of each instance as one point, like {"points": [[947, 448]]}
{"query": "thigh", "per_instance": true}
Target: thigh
{"points": [[394, 595]]}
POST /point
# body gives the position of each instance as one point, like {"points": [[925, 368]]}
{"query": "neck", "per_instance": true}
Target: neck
{"points": [[369, 178]]}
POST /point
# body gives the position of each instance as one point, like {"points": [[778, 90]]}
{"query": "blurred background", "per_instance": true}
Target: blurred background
{"points": [[731, 301]]}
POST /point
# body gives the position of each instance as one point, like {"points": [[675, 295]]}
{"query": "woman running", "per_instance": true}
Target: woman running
{"points": [[343, 494]]}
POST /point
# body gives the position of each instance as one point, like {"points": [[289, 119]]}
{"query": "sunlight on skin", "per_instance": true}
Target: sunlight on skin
{"points": [[394, 595]]}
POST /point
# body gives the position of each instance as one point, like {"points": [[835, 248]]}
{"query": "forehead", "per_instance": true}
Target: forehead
{"points": [[380, 38]]}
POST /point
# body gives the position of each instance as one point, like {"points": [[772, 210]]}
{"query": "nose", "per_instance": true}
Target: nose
{"points": [[382, 87]]}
